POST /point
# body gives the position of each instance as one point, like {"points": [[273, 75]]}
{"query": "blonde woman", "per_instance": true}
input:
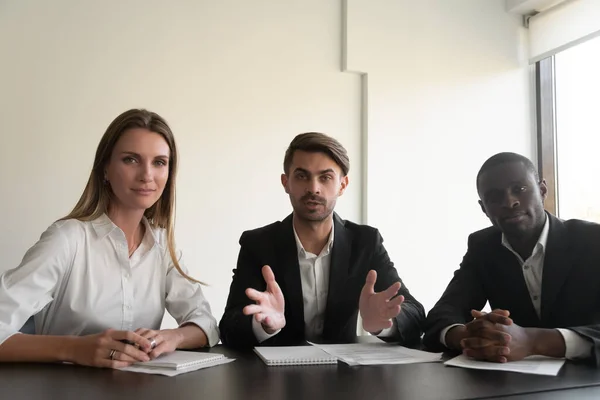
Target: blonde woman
{"points": [[98, 280]]}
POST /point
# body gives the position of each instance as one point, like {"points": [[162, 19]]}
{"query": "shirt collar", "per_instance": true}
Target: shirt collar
{"points": [[541, 242], [103, 226], [326, 249]]}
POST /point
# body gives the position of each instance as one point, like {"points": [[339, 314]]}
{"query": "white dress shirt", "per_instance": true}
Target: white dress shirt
{"points": [[314, 277], [575, 345], [78, 279]]}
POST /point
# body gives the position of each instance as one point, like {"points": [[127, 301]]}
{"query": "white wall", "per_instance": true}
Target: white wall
{"points": [[237, 80], [448, 86]]}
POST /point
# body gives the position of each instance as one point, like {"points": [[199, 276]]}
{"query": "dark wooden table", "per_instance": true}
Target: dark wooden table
{"points": [[248, 378]]}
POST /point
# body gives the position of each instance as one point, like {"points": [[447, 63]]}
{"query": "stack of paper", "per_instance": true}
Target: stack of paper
{"points": [[377, 353], [538, 365]]}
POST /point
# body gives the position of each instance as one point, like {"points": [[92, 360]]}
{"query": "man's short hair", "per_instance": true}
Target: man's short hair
{"points": [[315, 142], [505, 158]]}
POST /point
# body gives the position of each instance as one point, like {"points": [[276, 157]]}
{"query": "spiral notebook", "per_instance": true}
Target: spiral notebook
{"points": [[294, 355], [181, 360]]}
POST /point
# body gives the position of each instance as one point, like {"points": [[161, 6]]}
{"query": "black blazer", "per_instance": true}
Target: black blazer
{"points": [[490, 272], [356, 250]]}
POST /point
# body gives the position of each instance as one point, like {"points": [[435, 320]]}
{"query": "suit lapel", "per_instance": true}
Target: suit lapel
{"points": [[289, 270], [557, 264], [338, 272]]}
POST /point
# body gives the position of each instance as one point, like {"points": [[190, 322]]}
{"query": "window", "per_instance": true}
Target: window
{"points": [[568, 117]]}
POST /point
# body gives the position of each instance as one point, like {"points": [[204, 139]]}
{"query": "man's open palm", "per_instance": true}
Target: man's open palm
{"points": [[378, 309], [270, 306]]}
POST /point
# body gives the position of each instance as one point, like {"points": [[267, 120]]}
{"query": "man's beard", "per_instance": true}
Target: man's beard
{"points": [[314, 216]]}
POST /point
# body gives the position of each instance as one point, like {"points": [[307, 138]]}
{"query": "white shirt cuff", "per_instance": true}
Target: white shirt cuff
{"points": [[389, 332], [576, 346], [259, 331], [445, 331]]}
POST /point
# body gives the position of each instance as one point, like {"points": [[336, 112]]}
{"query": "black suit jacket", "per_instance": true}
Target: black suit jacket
{"points": [[356, 250], [490, 272]]}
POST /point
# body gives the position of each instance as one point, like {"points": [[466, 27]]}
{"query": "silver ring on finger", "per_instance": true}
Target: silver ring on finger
{"points": [[152, 343], [112, 354]]}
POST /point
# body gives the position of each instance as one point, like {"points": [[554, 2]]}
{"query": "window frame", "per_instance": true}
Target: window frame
{"points": [[545, 84]]}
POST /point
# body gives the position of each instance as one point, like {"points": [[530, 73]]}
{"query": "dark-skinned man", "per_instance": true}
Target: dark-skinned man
{"points": [[540, 275]]}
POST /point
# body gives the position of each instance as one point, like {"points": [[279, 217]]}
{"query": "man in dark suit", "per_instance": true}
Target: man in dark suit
{"points": [[540, 274], [308, 276]]}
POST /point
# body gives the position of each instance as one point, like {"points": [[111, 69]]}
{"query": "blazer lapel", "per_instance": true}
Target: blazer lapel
{"points": [[338, 272], [557, 264], [289, 270]]}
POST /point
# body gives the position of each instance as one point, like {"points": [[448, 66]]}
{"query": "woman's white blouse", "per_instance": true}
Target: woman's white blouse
{"points": [[78, 279]]}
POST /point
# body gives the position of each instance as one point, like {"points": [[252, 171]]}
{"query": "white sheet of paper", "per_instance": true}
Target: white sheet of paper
{"points": [[174, 372], [538, 365], [377, 353]]}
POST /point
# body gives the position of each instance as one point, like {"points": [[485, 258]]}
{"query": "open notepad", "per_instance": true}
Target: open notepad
{"points": [[294, 355], [178, 362]]}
